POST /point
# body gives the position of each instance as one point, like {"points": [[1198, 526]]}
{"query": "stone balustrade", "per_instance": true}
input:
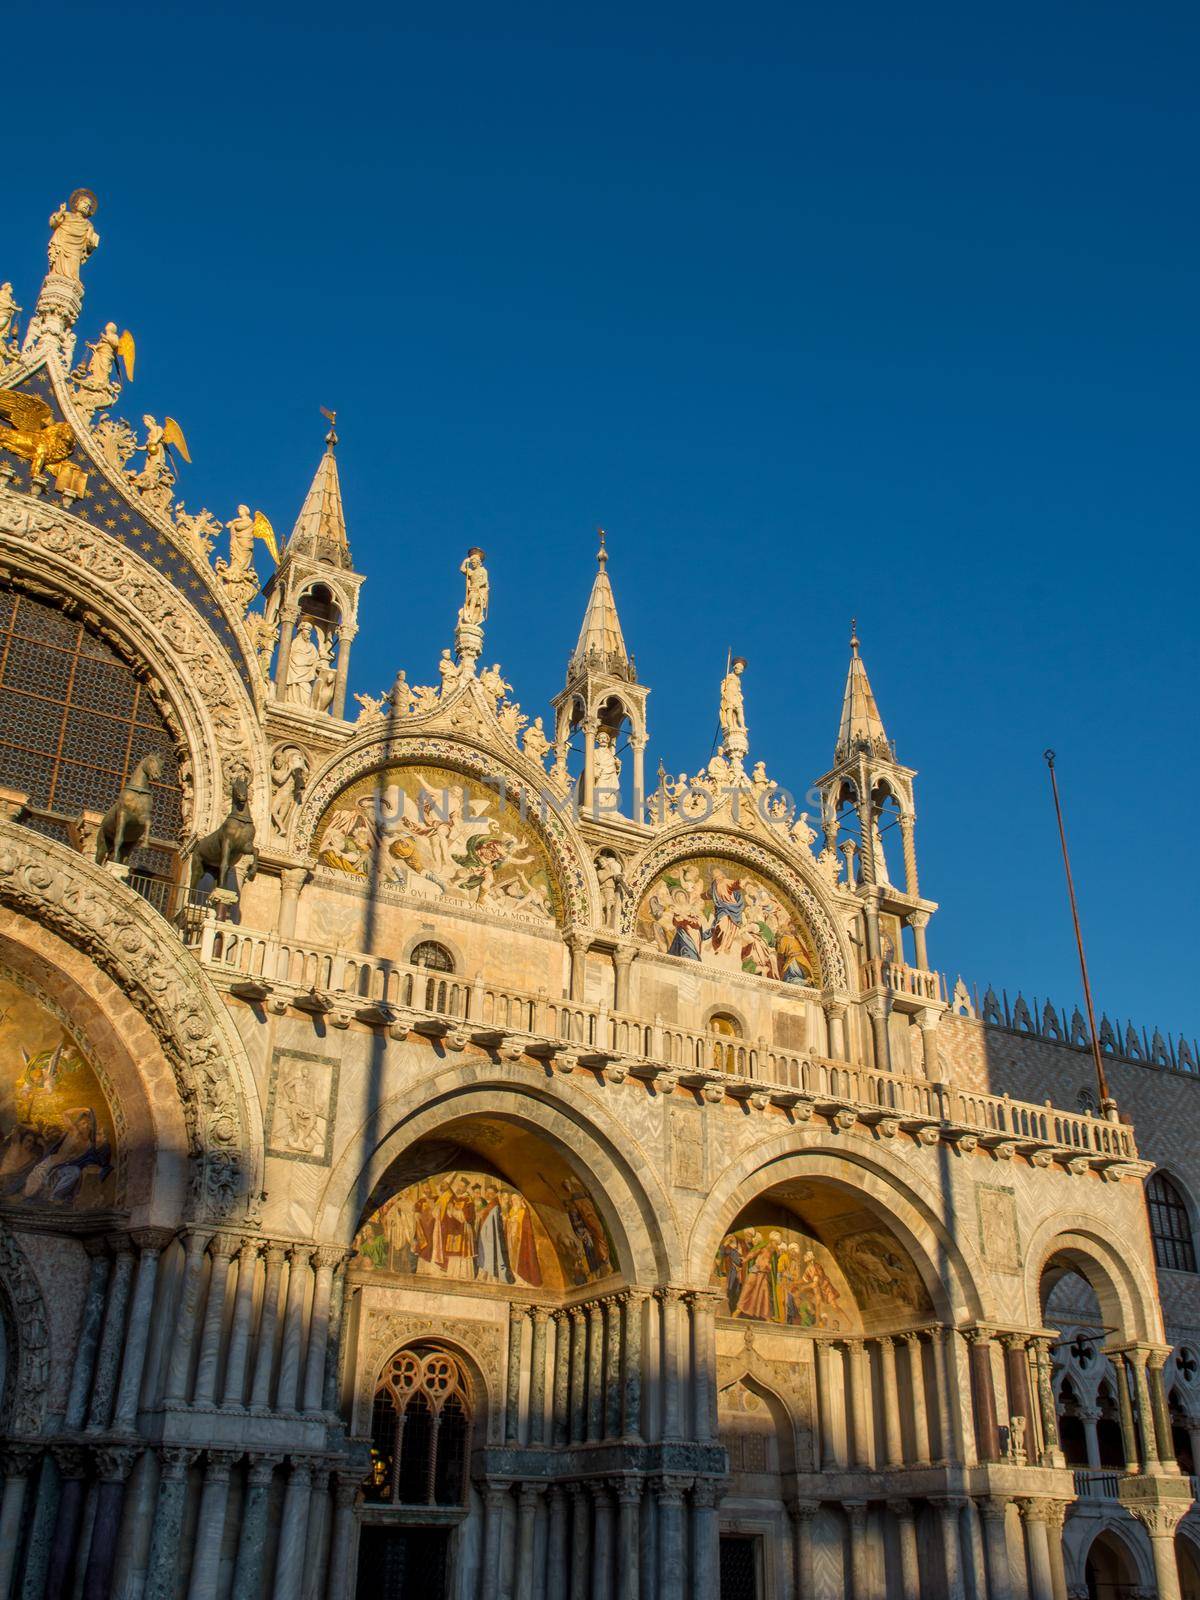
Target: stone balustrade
{"points": [[346, 987]]}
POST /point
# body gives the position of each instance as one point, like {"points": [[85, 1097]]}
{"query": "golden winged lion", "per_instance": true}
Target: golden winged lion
{"points": [[32, 433]]}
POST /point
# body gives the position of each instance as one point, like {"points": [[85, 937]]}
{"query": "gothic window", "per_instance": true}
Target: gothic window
{"points": [[77, 720], [432, 955], [1170, 1225], [420, 1431]]}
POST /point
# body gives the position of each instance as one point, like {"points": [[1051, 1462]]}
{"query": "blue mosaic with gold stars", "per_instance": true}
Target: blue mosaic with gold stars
{"points": [[105, 509]]}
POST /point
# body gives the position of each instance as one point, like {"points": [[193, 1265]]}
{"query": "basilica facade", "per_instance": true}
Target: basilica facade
{"points": [[440, 1157]]}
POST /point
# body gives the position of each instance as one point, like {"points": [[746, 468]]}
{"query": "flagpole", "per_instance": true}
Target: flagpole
{"points": [[1108, 1106]]}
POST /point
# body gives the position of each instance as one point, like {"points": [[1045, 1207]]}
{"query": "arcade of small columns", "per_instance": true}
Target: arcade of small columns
{"points": [[218, 1338], [609, 1415]]}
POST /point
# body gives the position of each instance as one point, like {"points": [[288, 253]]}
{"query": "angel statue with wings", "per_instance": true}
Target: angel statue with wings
{"points": [[157, 477]]}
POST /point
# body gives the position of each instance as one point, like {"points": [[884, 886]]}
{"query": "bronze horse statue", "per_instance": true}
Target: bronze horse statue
{"points": [[126, 823], [217, 852]]}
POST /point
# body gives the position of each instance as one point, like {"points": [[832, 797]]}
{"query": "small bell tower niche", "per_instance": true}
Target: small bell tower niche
{"points": [[604, 700], [313, 598]]}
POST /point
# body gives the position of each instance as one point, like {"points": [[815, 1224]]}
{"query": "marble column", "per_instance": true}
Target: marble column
{"points": [[239, 1332], [973, 1550], [920, 1405], [622, 961], [703, 1307], [333, 1346], [1091, 1436], [835, 1014], [151, 1243], [942, 1356], [20, 1463], [163, 1565], [291, 881], [670, 1304], [1125, 1412], [210, 1524], [911, 882], [527, 1500], [495, 1500], [1056, 1515], [317, 1550], [179, 1364], [112, 1339], [802, 1514], [629, 1499], [577, 1401], [327, 1258], [555, 1586], [602, 1530], [1145, 1411], [289, 1558], [994, 1511], [595, 1381], [856, 1511], [831, 1453], [893, 1448], [88, 1338], [670, 1492], [73, 1468], [612, 1367], [221, 1248], [1041, 1578], [707, 1494], [581, 1567], [631, 1365], [949, 1508], [1155, 1361], [537, 1376], [287, 1395], [579, 944], [264, 1354], [560, 1418], [1016, 1374], [512, 1396], [1160, 1523], [906, 1534], [1051, 1455], [340, 1578], [983, 1395], [114, 1463], [862, 1414], [252, 1535]]}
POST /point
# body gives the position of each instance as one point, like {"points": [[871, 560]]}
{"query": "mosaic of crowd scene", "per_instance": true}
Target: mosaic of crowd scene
{"points": [[437, 835], [777, 1275], [476, 1227], [723, 915]]}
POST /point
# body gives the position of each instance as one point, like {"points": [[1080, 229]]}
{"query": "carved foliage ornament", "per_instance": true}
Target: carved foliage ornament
{"points": [[81, 903]]}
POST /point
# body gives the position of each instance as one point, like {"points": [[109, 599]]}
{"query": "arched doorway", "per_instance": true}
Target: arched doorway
{"points": [[417, 1492], [1110, 1571]]}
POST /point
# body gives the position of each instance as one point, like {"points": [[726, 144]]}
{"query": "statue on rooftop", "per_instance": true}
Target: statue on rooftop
{"points": [[72, 237], [474, 608], [8, 317], [733, 710]]}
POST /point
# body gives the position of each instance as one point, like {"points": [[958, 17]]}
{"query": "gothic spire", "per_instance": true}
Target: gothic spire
{"points": [[320, 530], [862, 726], [601, 643]]}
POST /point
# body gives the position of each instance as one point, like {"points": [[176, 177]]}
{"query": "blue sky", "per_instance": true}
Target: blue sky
{"points": [[820, 311]]}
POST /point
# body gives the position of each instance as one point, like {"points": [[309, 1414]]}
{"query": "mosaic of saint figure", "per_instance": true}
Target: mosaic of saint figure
{"points": [[723, 915], [436, 835], [56, 1132]]}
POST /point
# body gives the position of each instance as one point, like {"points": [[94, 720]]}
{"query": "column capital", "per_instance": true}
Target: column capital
{"points": [[918, 919], [114, 1462], [901, 1508], [948, 1503], [223, 1246], [856, 1510], [599, 1490], [912, 1337], [1159, 1520], [120, 1243], [495, 1494], [978, 1335], [346, 1491], [670, 1489], [218, 1464], [176, 1459], [995, 1505], [886, 1341], [707, 1493], [262, 1469], [301, 1470], [293, 877], [1034, 1509], [1011, 1340], [517, 1315], [329, 1256], [628, 1490], [195, 1241], [803, 1510], [274, 1252], [529, 1494], [151, 1241], [71, 1460], [19, 1460], [300, 1255], [541, 1315], [250, 1247]]}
